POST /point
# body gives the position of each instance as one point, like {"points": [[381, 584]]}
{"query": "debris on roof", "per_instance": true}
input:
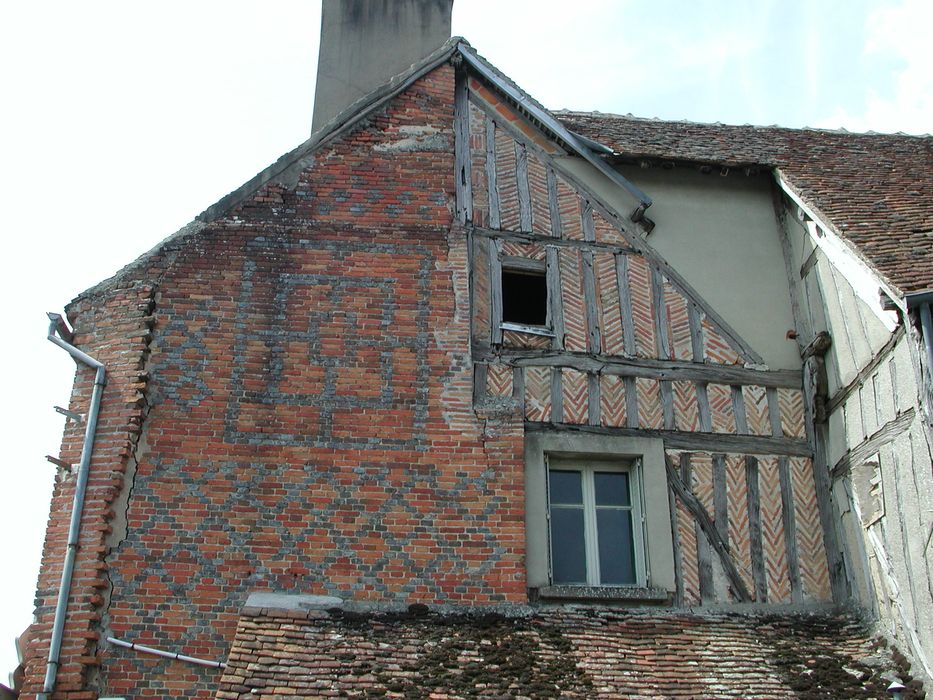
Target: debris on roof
{"points": [[561, 652]]}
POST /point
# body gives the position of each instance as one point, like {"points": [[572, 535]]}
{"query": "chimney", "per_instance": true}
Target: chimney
{"points": [[366, 42]]}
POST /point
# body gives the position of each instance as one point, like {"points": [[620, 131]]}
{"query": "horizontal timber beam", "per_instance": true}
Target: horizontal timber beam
{"points": [[865, 449], [845, 392], [701, 442], [539, 239], [666, 370]]}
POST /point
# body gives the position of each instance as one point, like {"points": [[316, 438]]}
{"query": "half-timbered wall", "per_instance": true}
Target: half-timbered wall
{"points": [[631, 349], [876, 453]]}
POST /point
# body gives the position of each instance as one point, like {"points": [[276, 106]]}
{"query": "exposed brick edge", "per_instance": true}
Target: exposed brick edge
{"points": [[115, 329]]}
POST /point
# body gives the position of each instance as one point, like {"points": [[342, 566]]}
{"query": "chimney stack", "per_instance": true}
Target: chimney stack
{"points": [[366, 42]]}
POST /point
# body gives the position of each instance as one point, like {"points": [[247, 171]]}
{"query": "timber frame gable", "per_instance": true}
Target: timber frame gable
{"points": [[630, 351]]}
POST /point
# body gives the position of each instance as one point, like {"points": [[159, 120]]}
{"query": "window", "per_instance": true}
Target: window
{"points": [[597, 517], [524, 297], [595, 523]]}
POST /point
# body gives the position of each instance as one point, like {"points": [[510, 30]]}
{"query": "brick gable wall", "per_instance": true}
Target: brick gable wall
{"points": [[310, 423]]}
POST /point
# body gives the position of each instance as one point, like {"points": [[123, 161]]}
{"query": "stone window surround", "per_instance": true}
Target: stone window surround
{"points": [[659, 547]]}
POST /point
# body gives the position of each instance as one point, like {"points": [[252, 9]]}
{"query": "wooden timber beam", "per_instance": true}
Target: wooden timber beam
{"points": [[683, 440], [692, 504], [664, 370]]}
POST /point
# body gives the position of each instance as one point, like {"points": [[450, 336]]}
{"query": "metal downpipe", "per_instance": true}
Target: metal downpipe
{"points": [[57, 326]]}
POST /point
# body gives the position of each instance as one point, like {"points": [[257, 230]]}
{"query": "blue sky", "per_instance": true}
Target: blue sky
{"points": [[121, 121]]}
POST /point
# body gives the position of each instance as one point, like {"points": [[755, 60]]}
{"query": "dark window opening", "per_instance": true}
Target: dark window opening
{"points": [[524, 297]]}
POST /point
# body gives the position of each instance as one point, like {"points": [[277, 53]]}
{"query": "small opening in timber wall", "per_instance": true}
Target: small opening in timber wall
{"points": [[524, 297]]}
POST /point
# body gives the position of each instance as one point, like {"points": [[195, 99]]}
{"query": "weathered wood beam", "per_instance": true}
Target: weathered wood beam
{"points": [[753, 501], [704, 563], [479, 383], [594, 341], [738, 410], [589, 225], [492, 183], [557, 395], [555, 302], [514, 262], [462, 158], [660, 313], [700, 515], [845, 392], [669, 370], [696, 332], [631, 402], [553, 205], [885, 434], [625, 303], [524, 192], [593, 402], [683, 440], [539, 239], [790, 529], [495, 291]]}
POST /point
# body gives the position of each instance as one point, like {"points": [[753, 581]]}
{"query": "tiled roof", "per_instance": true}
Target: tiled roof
{"points": [[567, 653], [875, 189]]}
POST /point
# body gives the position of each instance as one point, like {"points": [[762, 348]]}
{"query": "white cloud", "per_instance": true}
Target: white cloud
{"points": [[898, 35]]}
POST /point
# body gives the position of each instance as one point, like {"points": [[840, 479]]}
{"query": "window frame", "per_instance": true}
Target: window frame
{"points": [[533, 268], [588, 467], [658, 553]]}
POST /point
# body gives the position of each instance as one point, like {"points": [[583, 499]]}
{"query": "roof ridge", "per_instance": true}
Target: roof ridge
{"points": [[657, 120]]}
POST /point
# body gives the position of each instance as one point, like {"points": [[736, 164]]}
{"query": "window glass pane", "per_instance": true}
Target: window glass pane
{"points": [[568, 556], [565, 487], [616, 550], [612, 489]]}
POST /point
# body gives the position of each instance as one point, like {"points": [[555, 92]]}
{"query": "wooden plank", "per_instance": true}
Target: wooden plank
{"points": [[845, 392], [675, 541], [591, 303], [774, 412], [709, 529], [495, 291], [518, 387], [553, 206], [808, 264], [555, 303], [524, 193], [703, 409], [539, 239], [513, 262], [671, 370], [865, 449], [589, 226], [479, 383], [660, 313], [721, 497], [698, 442], [592, 396], [557, 395], [790, 529], [704, 564], [667, 405], [738, 408], [696, 332], [816, 436], [801, 318], [462, 160], [759, 575], [631, 402], [492, 183], [625, 303]]}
